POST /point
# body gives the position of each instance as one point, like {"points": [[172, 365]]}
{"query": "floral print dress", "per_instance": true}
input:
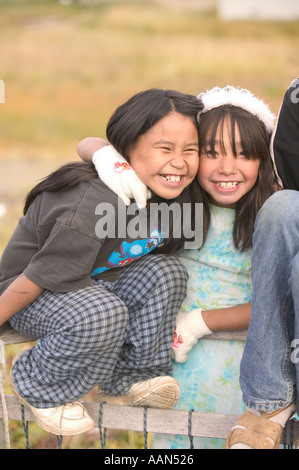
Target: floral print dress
{"points": [[219, 276]]}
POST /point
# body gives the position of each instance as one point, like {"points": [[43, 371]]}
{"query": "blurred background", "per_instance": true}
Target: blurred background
{"points": [[66, 65]]}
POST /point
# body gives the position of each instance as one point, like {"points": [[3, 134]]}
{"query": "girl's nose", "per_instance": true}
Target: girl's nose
{"points": [[228, 164], [178, 161]]}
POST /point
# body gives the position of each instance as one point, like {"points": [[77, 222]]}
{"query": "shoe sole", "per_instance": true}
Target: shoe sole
{"points": [[44, 426], [162, 395]]}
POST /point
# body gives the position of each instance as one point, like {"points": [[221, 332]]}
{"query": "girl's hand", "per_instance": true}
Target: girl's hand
{"points": [[193, 325], [190, 327], [119, 176], [114, 170]]}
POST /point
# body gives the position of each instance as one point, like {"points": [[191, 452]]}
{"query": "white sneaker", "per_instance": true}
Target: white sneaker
{"points": [[159, 392], [65, 420]]}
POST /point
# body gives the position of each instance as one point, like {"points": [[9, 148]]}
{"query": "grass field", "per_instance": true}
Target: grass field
{"points": [[66, 68]]}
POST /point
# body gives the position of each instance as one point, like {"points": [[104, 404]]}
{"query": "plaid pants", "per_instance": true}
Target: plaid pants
{"points": [[110, 334]]}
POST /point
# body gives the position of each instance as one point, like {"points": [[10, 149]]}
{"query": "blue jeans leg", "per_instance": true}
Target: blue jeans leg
{"points": [[268, 373], [294, 283]]}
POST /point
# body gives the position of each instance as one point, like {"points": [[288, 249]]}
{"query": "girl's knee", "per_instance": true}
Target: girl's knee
{"points": [[165, 268], [172, 277], [99, 311], [172, 267]]}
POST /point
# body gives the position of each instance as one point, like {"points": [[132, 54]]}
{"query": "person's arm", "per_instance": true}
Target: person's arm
{"points": [[19, 294], [228, 319], [193, 325], [285, 139], [88, 146]]}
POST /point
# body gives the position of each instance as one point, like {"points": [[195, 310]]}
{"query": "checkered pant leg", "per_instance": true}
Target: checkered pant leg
{"points": [[81, 334], [111, 335], [153, 290]]}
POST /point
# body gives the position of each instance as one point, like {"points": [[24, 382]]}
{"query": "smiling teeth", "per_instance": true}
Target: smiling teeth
{"points": [[173, 178], [228, 185]]}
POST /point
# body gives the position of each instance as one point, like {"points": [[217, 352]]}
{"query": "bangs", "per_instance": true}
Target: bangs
{"points": [[254, 137]]}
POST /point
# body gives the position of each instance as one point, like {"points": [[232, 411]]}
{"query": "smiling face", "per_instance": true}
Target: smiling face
{"points": [[226, 174], [166, 157]]}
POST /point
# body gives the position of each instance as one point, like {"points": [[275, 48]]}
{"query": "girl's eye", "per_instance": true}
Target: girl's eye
{"points": [[242, 155], [210, 153]]}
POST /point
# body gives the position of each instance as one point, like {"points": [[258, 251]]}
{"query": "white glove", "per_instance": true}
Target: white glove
{"points": [[119, 176], [190, 327]]}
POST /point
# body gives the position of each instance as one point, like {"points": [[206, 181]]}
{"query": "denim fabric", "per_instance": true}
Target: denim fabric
{"points": [[270, 364]]}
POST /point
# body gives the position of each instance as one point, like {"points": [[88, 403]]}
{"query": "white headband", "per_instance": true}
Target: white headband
{"points": [[238, 97]]}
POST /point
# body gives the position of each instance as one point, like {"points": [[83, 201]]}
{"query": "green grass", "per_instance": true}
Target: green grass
{"points": [[66, 68]]}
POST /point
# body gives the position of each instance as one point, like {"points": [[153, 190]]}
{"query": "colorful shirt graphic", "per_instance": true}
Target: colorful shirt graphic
{"points": [[129, 252]]}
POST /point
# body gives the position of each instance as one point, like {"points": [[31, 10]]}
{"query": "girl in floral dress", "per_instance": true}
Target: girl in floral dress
{"points": [[236, 175]]}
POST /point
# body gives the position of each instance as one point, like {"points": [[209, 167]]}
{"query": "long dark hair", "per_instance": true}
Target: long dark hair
{"points": [[255, 141], [129, 121]]}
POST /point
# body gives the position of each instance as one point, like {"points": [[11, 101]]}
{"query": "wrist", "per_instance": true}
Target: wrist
{"points": [[193, 323], [208, 319], [101, 153], [198, 323]]}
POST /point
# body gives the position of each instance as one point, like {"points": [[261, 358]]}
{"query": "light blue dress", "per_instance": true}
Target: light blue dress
{"points": [[219, 276]]}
